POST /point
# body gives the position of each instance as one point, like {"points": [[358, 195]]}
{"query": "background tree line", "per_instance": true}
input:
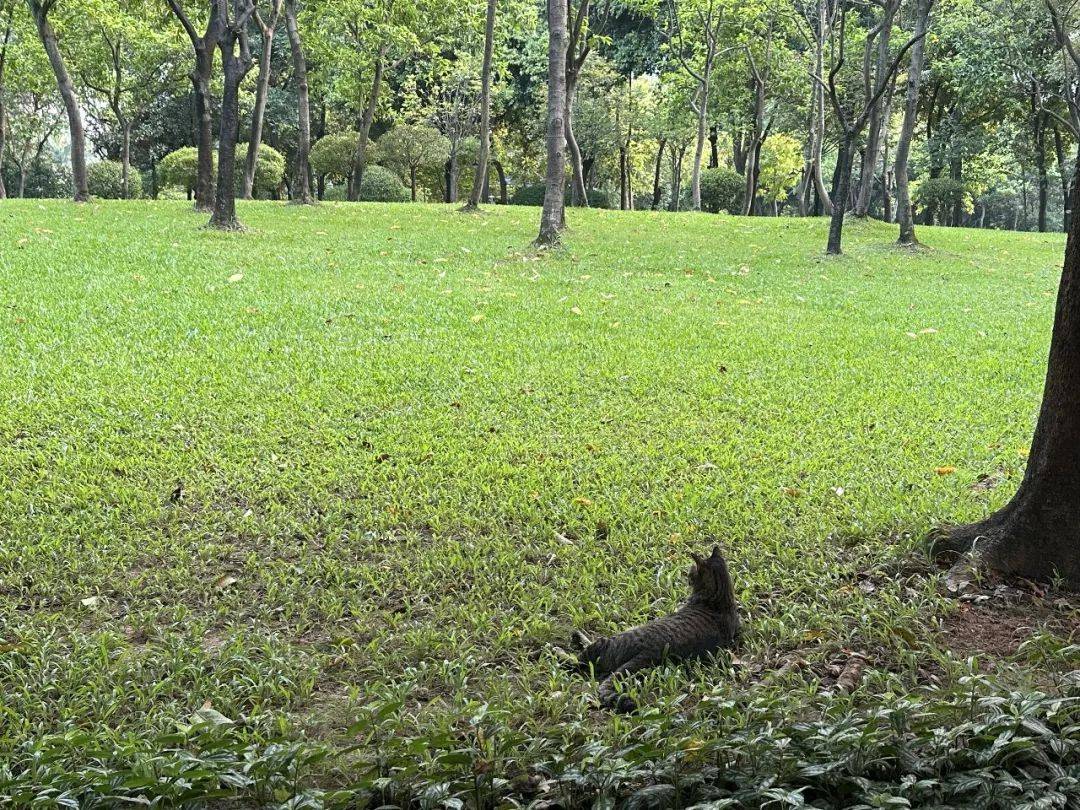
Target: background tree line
{"points": [[953, 112]]}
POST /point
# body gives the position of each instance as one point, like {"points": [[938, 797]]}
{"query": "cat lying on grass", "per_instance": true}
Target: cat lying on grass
{"points": [[706, 622]]}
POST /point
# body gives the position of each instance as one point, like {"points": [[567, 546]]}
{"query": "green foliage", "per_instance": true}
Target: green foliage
{"points": [[382, 185], [409, 147], [942, 194], [722, 189], [781, 167], [332, 156], [106, 180], [181, 168], [269, 170]]}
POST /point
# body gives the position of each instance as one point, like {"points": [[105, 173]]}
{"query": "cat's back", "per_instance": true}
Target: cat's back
{"points": [[690, 631]]}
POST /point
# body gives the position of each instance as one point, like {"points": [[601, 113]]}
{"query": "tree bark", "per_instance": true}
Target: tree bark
{"points": [[360, 157], [904, 213], [553, 218], [876, 121], [1038, 126], [818, 131], [699, 143], [40, 13], [262, 87], [843, 187], [1059, 153], [714, 147], [3, 88], [504, 191], [1037, 535], [125, 158], [656, 191], [301, 185], [203, 46], [235, 66], [579, 197], [480, 180]]}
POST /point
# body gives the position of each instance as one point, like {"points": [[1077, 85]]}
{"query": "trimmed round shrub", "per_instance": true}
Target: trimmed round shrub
{"points": [[722, 190], [534, 195], [332, 155], [382, 185], [269, 170], [528, 195], [181, 168], [106, 180]]}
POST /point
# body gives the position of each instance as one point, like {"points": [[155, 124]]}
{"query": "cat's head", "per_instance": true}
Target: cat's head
{"points": [[709, 577]]}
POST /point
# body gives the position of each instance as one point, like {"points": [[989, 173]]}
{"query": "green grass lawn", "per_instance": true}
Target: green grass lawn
{"points": [[376, 455]]}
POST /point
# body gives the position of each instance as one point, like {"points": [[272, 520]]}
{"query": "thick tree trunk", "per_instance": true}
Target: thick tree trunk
{"points": [[656, 191], [904, 213], [553, 216], [360, 157], [258, 114], [480, 180], [714, 147], [235, 68], [1037, 535], [301, 185], [843, 186], [67, 94]]}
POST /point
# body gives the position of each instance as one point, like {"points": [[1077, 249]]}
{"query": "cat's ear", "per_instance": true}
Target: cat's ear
{"points": [[716, 553], [697, 560]]}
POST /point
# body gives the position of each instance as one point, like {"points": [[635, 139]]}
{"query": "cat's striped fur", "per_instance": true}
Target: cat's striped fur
{"points": [[706, 622]]}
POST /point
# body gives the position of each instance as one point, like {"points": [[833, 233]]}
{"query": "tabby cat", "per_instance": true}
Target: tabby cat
{"points": [[706, 622]]}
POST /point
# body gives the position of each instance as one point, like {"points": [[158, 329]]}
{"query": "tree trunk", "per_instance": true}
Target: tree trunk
{"points": [[699, 144], [67, 93], [656, 191], [125, 159], [622, 178], [1059, 153], [412, 183], [1037, 535], [360, 158], [714, 147], [578, 196], [553, 216], [904, 213], [235, 67], [843, 186], [504, 191], [818, 132], [1039, 131], [200, 81], [3, 111], [301, 185], [480, 180], [262, 87], [757, 139]]}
